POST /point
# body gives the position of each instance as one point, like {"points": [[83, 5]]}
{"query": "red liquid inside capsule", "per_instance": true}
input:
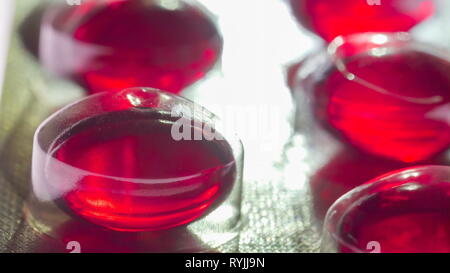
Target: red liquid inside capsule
{"points": [[123, 170], [115, 44], [331, 18], [393, 104], [411, 218]]}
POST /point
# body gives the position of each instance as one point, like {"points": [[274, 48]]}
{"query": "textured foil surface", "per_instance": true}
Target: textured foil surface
{"points": [[261, 40]]}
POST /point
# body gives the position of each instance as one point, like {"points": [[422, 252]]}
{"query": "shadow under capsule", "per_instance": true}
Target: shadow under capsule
{"points": [[350, 168], [77, 236]]}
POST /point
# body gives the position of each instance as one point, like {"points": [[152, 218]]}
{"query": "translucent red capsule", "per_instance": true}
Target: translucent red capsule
{"points": [[331, 18], [119, 164], [403, 211], [384, 94], [115, 44]]}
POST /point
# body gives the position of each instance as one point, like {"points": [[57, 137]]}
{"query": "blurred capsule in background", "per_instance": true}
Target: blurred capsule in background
{"points": [[385, 94], [331, 18], [115, 44]]}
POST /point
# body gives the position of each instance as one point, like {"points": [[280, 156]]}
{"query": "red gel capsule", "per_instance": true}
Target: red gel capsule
{"points": [[390, 99], [116, 44], [402, 212], [124, 169], [331, 18]]}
